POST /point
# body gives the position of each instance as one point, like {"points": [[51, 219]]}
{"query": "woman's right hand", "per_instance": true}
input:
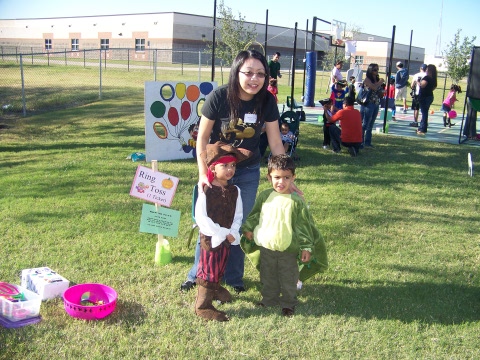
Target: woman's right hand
{"points": [[202, 181]]}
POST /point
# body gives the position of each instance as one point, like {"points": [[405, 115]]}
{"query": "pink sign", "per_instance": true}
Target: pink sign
{"points": [[154, 186]]}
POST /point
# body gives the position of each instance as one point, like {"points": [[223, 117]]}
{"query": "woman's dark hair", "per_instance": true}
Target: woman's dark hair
{"points": [[373, 77], [432, 72], [233, 90]]}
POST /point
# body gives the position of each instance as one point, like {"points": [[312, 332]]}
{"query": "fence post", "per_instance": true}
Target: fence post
{"points": [[128, 60], [24, 104], [182, 62], [65, 56], [31, 48], [199, 65], [155, 55], [100, 75]]}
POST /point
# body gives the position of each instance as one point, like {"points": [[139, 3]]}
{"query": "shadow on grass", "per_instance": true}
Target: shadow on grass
{"points": [[430, 303]]}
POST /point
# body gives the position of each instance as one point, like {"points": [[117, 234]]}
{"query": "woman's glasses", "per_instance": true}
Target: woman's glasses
{"points": [[250, 74], [375, 70]]}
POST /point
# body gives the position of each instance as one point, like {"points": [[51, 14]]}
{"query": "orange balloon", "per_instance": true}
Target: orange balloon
{"points": [[432, 112], [193, 92]]}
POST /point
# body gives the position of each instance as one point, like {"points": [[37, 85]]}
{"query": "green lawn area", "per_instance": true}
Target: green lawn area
{"points": [[401, 223]]}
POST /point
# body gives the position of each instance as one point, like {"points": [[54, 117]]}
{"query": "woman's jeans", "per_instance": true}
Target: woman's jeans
{"points": [[425, 103], [247, 180], [369, 113]]}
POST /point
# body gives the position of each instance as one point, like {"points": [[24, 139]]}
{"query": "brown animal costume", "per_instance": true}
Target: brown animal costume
{"points": [[218, 213]]}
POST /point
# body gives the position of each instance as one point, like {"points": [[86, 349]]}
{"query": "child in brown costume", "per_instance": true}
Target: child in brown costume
{"points": [[219, 215]]}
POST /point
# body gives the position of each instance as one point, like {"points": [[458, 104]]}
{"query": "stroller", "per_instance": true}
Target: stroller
{"points": [[291, 118]]}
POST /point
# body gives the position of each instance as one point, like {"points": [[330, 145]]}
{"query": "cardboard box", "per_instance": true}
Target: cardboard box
{"points": [[45, 282], [17, 310]]}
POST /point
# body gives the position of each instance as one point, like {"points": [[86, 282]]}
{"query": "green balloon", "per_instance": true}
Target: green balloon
{"points": [[158, 109]]}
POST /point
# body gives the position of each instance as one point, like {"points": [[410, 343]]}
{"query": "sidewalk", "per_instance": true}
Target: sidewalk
{"points": [[436, 131]]}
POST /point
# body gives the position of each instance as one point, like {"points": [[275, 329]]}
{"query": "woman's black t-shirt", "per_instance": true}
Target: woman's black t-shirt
{"points": [[246, 132]]}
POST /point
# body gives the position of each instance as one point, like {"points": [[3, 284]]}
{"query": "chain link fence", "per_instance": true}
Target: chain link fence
{"points": [[36, 81]]}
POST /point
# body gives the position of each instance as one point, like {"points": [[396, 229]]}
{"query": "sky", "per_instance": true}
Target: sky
{"points": [[372, 17]]}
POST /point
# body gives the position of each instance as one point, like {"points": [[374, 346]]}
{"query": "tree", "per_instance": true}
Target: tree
{"points": [[234, 34], [457, 57]]}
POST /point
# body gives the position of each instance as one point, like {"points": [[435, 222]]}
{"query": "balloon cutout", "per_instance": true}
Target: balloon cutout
{"points": [[193, 93], [180, 90], [157, 109], [166, 92], [160, 130], [185, 110], [173, 116], [199, 107], [206, 88]]}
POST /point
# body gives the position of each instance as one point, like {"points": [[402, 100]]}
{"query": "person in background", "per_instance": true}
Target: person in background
{"points": [[287, 136], [427, 85], [272, 88], [327, 109], [235, 114], [401, 80], [448, 103], [336, 75], [369, 111], [351, 134], [415, 92], [338, 94], [351, 88], [274, 66]]}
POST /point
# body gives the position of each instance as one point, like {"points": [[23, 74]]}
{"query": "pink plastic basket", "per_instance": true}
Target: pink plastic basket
{"points": [[72, 301]]}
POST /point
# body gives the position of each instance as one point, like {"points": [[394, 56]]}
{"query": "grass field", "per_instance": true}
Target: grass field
{"points": [[400, 222]]}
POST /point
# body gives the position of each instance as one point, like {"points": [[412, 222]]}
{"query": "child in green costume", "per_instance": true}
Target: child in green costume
{"points": [[281, 229]]}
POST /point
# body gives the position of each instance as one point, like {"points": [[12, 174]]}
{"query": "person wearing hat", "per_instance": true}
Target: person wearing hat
{"points": [[327, 105], [336, 75], [219, 215], [401, 79], [415, 92], [236, 114]]}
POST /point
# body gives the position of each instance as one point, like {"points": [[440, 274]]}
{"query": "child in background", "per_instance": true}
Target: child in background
{"points": [[219, 215], [338, 94], [272, 88], [282, 228], [448, 103], [287, 136], [389, 99], [351, 89], [327, 109]]}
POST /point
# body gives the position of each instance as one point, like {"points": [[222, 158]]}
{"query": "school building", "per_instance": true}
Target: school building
{"points": [[178, 32]]}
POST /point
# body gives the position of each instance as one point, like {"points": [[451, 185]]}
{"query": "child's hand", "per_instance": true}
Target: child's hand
{"points": [[305, 256], [230, 238], [248, 235]]}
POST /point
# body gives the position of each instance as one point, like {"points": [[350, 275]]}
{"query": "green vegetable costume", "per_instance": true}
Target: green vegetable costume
{"points": [[282, 222]]}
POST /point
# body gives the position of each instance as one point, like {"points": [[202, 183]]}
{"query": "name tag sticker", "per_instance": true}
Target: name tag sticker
{"points": [[250, 118]]}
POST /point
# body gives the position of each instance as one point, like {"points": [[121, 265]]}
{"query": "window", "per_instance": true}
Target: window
{"points": [[48, 44], [139, 44], [104, 43], [359, 59], [75, 46]]}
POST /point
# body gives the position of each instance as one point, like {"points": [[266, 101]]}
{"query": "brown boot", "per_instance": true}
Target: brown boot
{"points": [[221, 294], [203, 303]]}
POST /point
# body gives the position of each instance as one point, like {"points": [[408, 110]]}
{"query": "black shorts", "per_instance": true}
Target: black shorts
{"points": [[415, 104]]}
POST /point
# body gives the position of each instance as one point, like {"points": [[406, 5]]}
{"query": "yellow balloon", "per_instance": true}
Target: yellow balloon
{"points": [[180, 90]]}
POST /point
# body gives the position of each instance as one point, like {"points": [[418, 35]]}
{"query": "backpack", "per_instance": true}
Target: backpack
{"points": [[363, 95]]}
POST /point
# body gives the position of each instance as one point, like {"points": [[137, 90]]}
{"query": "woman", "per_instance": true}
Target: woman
{"points": [[369, 111], [235, 114], [425, 98]]}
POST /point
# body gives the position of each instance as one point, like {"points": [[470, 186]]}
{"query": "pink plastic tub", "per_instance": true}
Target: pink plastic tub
{"points": [[72, 301]]}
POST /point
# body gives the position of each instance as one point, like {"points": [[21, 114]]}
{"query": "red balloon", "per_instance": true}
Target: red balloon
{"points": [[173, 116], [185, 110]]}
